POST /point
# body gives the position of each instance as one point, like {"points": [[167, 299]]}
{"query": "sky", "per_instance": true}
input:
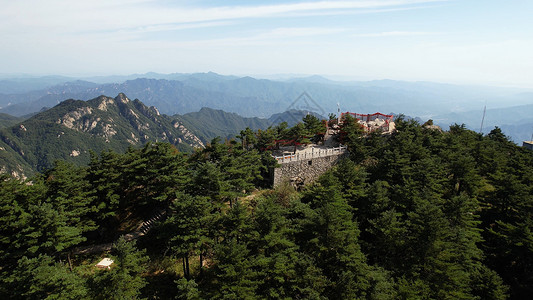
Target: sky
{"points": [[487, 42]]}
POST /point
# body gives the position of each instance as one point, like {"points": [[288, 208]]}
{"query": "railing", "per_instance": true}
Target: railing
{"points": [[314, 153]]}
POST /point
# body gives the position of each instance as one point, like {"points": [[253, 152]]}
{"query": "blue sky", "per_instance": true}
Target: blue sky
{"points": [[458, 41]]}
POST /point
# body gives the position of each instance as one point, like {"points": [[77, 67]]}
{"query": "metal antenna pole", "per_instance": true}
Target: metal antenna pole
{"points": [[483, 119], [338, 113]]}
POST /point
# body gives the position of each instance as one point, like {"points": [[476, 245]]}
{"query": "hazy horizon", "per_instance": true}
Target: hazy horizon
{"points": [[460, 42], [273, 77]]}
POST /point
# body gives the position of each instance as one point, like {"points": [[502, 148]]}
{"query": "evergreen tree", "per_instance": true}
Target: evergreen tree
{"points": [[282, 271], [314, 127], [266, 139], [14, 220], [69, 192], [508, 215], [299, 135], [105, 174], [124, 280], [233, 272], [41, 278], [48, 231], [248, 138], [155, 173], [187, 227], [235, 278], [187, 290], [241, 171], [335, 243]]}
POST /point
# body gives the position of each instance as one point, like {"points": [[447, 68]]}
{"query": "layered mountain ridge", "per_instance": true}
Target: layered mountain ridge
{"points": [[253, 97]]}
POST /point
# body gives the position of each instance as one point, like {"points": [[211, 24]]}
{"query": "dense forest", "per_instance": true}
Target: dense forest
{"points": [[417, 214]]}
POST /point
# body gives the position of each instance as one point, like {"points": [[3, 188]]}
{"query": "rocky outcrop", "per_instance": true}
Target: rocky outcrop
{"points": [[188, 136], [72, 118], [71, 129]]}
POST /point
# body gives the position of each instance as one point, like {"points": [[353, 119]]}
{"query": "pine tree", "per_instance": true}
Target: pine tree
{"points": [[69, 192], [124, 280], [186, 227], [187, 290], [314, 127], [154, 174], [248, 138], [233, 272], [335, 244], [235, 278], [14, 220], [283, 272], [41, 278]]}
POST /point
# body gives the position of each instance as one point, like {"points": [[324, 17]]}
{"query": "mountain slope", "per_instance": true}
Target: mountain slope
{"points": [[8, 120], [292, 117], [71, 129], [209, 123]]}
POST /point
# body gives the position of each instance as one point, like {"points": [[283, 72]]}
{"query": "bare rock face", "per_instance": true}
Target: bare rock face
{"points": [[108, 132], [154, 109], [16, 172], [105, 102], [191, 139], [71, 119]]}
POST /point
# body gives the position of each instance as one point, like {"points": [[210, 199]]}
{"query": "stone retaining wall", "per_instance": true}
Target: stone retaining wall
{"points": [[305, 171]]}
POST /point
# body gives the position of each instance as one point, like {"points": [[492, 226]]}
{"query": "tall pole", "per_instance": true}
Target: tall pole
{"points": [[483, 119], [338, 113]]}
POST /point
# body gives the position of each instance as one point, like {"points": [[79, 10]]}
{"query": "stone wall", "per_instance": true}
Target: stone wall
{"points": [[305, 171]]}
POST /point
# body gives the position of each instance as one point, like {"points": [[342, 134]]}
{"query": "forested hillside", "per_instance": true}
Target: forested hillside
{"points": [[7, 120], [74, 128], [419, 214], [209, 123]]}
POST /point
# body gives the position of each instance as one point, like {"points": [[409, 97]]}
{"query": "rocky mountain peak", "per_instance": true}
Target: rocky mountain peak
{"points": [[121, 97], [72, 128]]}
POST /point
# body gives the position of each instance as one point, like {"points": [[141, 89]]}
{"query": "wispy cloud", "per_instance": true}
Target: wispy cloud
{"points": [[98, 15], [395, 34], [277, 36], [288, 32]]}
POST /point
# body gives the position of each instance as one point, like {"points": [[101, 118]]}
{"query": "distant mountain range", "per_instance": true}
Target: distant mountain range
{"points": [[515, 121], [250, 97]]}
